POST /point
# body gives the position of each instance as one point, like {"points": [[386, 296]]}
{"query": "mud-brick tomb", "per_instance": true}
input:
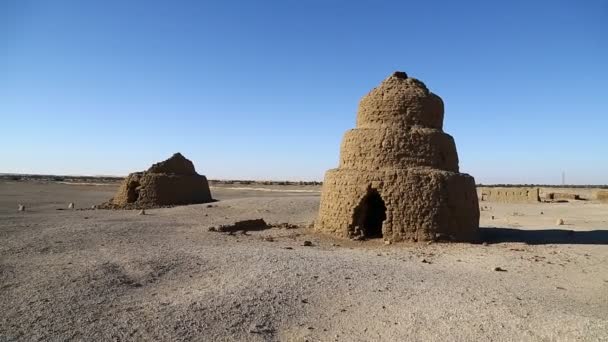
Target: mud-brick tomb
{"points": [[398, 176], [170, 182]]}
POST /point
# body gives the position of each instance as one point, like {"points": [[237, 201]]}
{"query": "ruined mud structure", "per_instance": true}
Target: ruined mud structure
{"points": [[562, 196], [170, 182], [398, 176], [510, 194], [602, 196]]}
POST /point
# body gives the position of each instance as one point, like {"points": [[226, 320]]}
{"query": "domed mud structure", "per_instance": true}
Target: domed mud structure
{"points": [[398, 176], [171, 182]]}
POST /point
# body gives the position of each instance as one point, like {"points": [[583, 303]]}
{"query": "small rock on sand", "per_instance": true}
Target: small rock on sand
{"points": [[307, 243], [499, 269], [260, 329]]}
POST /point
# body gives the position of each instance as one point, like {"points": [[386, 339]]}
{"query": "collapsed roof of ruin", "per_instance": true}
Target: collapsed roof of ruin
{"points": [[177, 164]]}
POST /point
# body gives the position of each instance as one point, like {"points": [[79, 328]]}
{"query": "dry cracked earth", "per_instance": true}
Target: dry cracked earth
{"points": [[118, 276]]}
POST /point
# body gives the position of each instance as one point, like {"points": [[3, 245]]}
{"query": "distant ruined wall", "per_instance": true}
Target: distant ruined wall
{"points": [[602, 196], [562, 196], [509, 195]]}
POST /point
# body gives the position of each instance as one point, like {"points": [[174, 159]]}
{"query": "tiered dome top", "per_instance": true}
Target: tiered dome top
{"points": [[399, 126], [400, 101]]}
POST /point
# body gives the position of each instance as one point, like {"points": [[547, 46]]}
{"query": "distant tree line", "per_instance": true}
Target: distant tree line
{"points": [[111, 179], [587, 186], [266, 182], [54, 178]]}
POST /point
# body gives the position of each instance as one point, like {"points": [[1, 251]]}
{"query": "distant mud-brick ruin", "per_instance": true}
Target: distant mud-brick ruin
{"points": [[510, 194], [562, 196], [398, 176], [170, 182], [602, 196]]}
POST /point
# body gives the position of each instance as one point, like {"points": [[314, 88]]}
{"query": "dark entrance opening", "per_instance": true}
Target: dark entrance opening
{"points": [[132, 191], [369, 215]]}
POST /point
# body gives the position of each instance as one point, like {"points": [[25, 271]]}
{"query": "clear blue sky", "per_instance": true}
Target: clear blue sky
{"points": [[266, 89]]}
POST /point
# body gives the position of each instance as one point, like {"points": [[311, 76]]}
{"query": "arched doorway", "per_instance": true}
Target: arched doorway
{"points": [[370, 214], [132, 191]]}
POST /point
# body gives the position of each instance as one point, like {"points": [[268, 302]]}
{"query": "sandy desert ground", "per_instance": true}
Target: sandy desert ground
{"points": [[101, 275]]}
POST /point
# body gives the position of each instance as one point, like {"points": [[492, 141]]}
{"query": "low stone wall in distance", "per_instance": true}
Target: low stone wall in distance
{"points": [[509, 195], [562, 196]]}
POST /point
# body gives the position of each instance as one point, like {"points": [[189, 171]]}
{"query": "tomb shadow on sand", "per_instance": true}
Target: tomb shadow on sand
{"points": [[543, 236]]}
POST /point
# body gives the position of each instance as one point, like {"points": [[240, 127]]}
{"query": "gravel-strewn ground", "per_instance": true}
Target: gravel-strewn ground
{"points": [[114, 275]]}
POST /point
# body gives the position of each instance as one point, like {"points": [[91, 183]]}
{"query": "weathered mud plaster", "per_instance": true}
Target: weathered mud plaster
{"points": [[398, 176]]}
